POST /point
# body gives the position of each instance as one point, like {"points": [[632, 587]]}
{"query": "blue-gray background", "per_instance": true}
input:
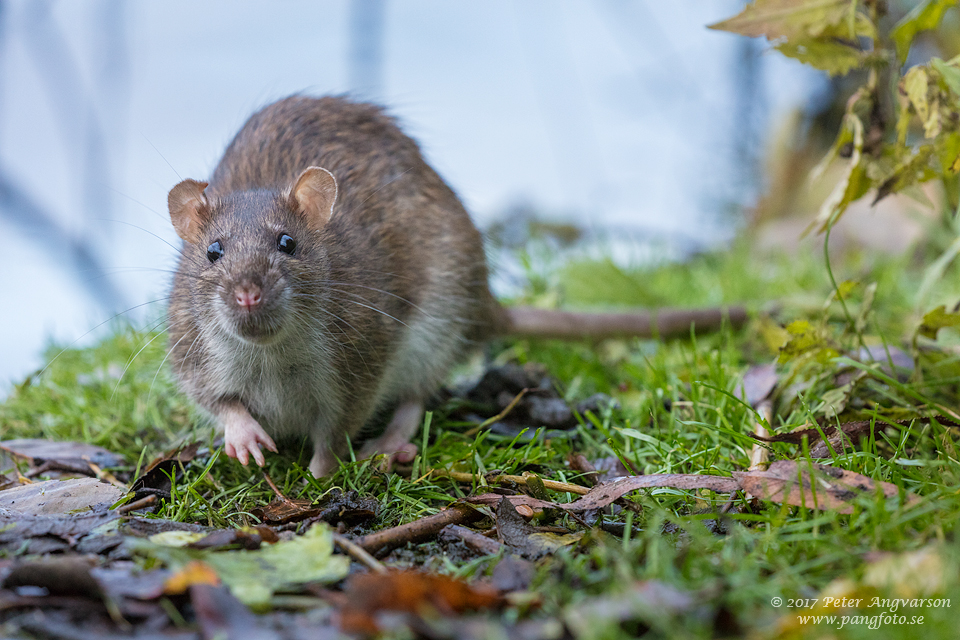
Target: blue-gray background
{"points": [[621, 115]]}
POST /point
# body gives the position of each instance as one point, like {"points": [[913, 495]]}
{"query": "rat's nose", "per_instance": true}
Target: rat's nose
{"points": [[248, 295]]}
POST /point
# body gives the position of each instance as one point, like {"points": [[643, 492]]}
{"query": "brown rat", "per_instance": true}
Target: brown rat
{"points": [[327, 275]]}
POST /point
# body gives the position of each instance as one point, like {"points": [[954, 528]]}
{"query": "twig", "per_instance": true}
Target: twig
{"points": [[553, 485], [476, 541], [421, 529], [137, 504], [357, 553], [106, 475], [759, 455], [274, 487]]}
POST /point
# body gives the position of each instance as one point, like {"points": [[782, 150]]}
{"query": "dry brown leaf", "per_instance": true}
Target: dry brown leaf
{"points": [[789, 481], [604, 494], [412, 592], [607, 493]]}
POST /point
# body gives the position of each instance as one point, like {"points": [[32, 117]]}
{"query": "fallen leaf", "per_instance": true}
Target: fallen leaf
{"points": [[789, 481], [609, 492], [282, 511], [253, 576], [243, 538], [177, 538], [758, 382], [604, 494], [60, 496], [412, 592], [516, 533], [156, 478], [33, 534], [38, 451], [194, 572]]}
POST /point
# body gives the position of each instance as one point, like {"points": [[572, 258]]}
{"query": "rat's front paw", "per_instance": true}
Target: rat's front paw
{"points": [[242, 438]]}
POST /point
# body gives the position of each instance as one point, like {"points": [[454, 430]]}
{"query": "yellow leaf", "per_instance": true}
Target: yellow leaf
{"points": [[916, 83]]}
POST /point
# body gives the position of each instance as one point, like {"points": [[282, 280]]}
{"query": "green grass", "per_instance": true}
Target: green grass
{"points": [[677, 415]]}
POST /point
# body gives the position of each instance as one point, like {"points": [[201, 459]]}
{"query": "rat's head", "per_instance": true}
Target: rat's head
{"points": [[253, 259]]}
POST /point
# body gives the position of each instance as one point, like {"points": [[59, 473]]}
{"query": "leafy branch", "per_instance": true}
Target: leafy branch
{"points": [[883, 155]]}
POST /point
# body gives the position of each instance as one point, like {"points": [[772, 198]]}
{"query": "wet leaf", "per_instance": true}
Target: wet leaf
{"points": [[177, 538]]}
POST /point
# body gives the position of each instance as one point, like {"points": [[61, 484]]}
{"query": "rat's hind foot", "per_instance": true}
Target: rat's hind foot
{"points": [[323, 461], [395, 441]]}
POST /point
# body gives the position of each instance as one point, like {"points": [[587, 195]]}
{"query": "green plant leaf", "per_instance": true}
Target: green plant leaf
{"points": [[923, 17], [950, 74], [836, 58], [798, 18], [852, 185], [948, 151], [937, 319], [913, 169]]}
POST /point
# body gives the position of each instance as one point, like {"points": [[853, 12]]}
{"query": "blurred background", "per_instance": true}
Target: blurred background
{"points": [[628, 120]]}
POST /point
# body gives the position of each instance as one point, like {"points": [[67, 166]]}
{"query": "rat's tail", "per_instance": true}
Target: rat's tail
{"points": [[573, 325]]}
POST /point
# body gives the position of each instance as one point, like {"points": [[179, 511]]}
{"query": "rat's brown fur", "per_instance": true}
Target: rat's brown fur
{"points": [[372, 309]]}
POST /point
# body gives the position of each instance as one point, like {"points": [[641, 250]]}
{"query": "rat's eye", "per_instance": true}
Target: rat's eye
{"points": [[286, 244], [215, 251]]}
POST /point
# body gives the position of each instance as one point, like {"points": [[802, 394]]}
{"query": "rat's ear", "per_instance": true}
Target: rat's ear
{"points": [[315, 193], [188, 208]]}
